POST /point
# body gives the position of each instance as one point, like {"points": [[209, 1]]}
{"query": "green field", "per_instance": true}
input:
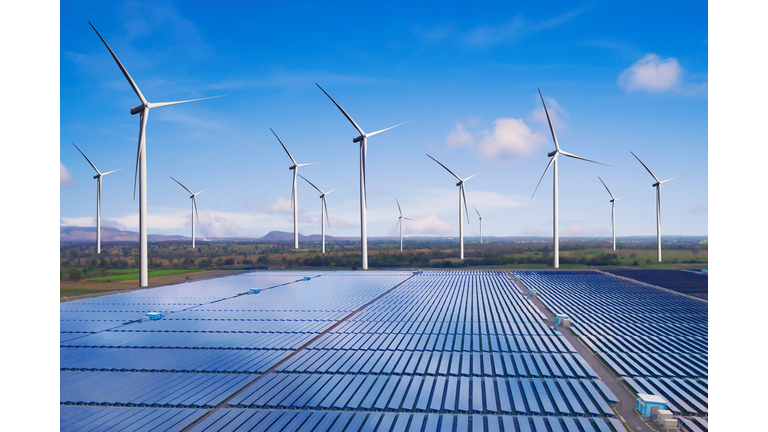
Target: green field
{"points": [[129, 274]]}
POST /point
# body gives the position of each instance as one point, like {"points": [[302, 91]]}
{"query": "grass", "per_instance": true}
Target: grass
{"points": [[134, 274]]}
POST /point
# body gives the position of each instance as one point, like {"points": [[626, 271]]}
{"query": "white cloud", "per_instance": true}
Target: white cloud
{"points": [[509, 137], [427, 225], [517, 27], [699, 209], [338, 223], [281, 206], [110, 223], [219, 226], [651, 73], [65, 177], [459, 137]]}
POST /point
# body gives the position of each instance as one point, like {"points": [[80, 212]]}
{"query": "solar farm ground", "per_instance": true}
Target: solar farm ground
{"points": [[316, 351]]}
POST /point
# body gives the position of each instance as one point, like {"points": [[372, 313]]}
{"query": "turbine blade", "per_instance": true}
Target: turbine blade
{"points": [[335, 189], [398, 223], [478, 213], [649, 170], [284, 148], [584, 159], [197, 215], [675, 177], [187, 189], [410, 219], [205, 189], [606, 188], [479, 172], [327, 218], [313, 163], [464, 195], [365, 163], [142, 124], [305, 179], [545, 173], [342, 111], [110, 172], [384, 130], [554, 138], [619, 199], [454, 174], [122, 68], [398, 207], [163, 104], [86, 158]]}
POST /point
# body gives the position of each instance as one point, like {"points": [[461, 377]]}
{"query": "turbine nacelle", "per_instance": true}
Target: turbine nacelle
{"points": [[140, 108], [656, 184], [552, 153], [358, 139]]}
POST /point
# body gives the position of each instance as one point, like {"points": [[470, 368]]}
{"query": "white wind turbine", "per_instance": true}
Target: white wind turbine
{"points": [[613, 211], [657, 185], [553, 161], [401, 223], [363, 140], [323, 207], [463, 196], [481, 224], [141, 160], [194, 207], [98, 177], [294, 192]]}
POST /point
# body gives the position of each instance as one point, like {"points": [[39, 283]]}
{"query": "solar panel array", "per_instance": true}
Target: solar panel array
{"points": [[655, 340], [441, 349]]}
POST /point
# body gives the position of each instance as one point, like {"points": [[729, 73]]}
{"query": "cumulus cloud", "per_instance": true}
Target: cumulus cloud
{"points": [[699, 209], [281, 206], [65, 177], [459, 137], [509, 137], [651, 73], [219, 226], [428, 225], [111, 223]]}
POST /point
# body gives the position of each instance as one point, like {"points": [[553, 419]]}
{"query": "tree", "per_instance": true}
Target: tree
{"points": [[74, 275]]}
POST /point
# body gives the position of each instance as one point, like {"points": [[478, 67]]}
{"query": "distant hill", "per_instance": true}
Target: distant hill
{"points": [[108, 234], [282, 236]]}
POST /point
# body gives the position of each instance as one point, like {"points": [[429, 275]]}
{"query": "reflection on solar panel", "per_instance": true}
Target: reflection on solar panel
{"points": [[341, 351], [656, 340]]}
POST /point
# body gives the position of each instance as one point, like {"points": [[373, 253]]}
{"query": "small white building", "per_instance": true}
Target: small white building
{"points": [[646, 403]]}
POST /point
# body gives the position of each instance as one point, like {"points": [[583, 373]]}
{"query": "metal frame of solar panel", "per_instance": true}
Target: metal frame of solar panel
{"points": [[655, 340]]}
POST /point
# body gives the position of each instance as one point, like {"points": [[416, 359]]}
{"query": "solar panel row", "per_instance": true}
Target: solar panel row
{"points": [[656, 340], [335, 421], [441, 342]]}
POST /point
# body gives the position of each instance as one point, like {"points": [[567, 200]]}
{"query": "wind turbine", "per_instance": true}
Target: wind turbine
{"points": [[613, 211], [363, 140], [553, 161], [323, 207], [481, 224], [194, 207], [657, 185], [98, 177], [462, 195], [141, 160], [294, 194], [401, 223]]}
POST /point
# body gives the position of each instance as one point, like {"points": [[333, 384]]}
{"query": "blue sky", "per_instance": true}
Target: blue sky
{"points": [[616, 77]]}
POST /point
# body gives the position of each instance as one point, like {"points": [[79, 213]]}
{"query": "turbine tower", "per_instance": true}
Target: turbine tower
{"points": [[323, 207], [657, 185], [481, 224], [613, 211], [194, 208], [141, 160], [401, 223], [294, 192], [363, 140], [463, 196], [98, 177], [553, 163]]}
